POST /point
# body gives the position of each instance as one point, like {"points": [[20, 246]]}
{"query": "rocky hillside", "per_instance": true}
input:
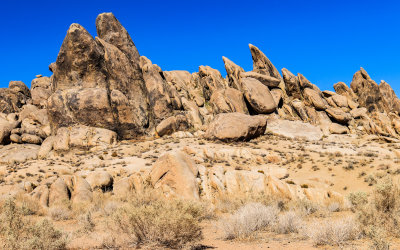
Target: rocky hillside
{"points": [[109, 124]]}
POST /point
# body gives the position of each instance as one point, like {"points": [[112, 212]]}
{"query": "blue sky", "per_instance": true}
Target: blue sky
{"points": [[327, 41]]}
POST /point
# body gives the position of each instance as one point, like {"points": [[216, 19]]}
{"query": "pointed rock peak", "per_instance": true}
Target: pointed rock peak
{"points": [[364, 74], [230, 64], [261, 63], [78, 61], [287, 74], [110, 30], [76, 32], [233, 73]]}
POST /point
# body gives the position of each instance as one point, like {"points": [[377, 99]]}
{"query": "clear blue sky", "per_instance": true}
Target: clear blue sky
{"points": [[327, 41]]}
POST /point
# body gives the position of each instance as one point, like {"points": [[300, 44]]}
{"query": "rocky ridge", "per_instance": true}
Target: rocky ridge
{"points": [[103, 92]]}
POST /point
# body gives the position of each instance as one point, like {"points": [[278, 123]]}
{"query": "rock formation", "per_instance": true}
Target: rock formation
{"points": [[102, 90]]}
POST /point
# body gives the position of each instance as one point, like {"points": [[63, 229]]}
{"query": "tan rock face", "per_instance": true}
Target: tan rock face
{"points": [[338, 129], [258, 96], [99, 83], [210, 81], [292, 84], [227, 101], [100, 180], [82, 137], [314, 98], [175, 174], [236, 127], [172, 124], [233, 73], [268, 81], [367, 91], [157, 90], [338, 115], [41, 90], [11, 101], [58, 193]]}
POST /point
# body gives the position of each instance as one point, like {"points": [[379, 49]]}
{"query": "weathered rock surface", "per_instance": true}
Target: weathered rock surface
{"points": [[83, 137], [228, 100], [172, 124], [175, 174], [294, 129], [236, 127], [106, 70], [258, 96]]}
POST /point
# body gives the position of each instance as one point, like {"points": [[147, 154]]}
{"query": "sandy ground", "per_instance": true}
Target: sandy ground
{"points": [[343, 163]]}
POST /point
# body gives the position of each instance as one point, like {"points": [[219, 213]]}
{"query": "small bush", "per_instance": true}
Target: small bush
{"points": [[333, 232], [166, 223], [289, 222], [59, 213], [334, 207], [249, 219], [383, 210], [358, 199], [18, 232]]}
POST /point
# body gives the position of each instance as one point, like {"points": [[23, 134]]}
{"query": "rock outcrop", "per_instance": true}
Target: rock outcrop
{"points": [[236, 127]]}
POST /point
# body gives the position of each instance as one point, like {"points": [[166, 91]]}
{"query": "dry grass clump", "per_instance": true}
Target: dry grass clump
{"points": [[248, 219], [18, 232], [166, 223], [383, 209], [335, 232], [229, 203], [59, 213], [288, 222]]}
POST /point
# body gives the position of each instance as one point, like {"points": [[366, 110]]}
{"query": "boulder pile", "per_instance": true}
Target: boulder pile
{"points": [[102, 90]]}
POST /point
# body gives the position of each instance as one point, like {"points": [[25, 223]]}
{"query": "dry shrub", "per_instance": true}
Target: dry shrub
{"points": [[358, 200], [304, 206], [18, 232], [383, 210], [28, 205], [288, 222], [335, 232], [59, 213], [231, 202], [167, 223], [248, 219]]}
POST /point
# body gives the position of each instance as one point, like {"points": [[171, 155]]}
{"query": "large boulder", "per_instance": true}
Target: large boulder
{"points": [[100, 180], [228, 100], [81, 192], [236, 127], [294, 129], [313, 98], [11, 101], [99, 83], [258, 96], [41, 91], [172, 124], [19, 87], [338, 115], [80, 136], [58, 193], [262, 65], [175, 174]]}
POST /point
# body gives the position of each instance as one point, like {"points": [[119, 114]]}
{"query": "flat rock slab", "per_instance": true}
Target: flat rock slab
{"points": [[294, 129], [18, 153]]}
